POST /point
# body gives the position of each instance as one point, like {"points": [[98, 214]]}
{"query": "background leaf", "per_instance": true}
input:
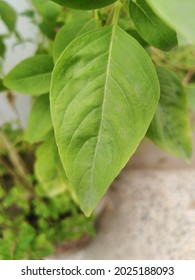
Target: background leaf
{"points": [[31, 76], [178, 14], [2, 48], [190, 90], [150, 27], [103, 97], [49, 170], [39, 122], [2, 87], [49, 10], [8, 15], [69, 32], [170, 128], [84, 4], [48, 28]]}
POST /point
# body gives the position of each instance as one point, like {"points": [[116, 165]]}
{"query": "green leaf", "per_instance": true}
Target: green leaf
{"points": [[8, 15], [150, 27], [47, 9], [190, 90], [84, 4], [136, 35], [48, 29], [69, 32], [31, 76], [74, 15], [178, 14], [26, 236], [49, 170], [39, 123], [103, 96], [2, 48], [170, 128], [28, 13], [2, 87]]}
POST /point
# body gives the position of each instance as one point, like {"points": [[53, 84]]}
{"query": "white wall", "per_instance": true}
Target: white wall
{"points": [[14, 55]]}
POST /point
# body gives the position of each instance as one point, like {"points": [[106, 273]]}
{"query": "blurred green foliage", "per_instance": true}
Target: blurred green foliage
{"points": [[32, 224]]}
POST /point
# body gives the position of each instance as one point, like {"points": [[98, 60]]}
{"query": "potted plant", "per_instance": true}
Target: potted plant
{"points": [[101, 83]]}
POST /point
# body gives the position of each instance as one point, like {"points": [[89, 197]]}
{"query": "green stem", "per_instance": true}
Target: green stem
{"points": [[15, 159], [12, 173], [96, 15], [110, 16], [117, 10]]}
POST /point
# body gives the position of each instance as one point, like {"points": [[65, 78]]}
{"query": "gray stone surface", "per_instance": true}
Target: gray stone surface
{"points": [[150, 215]]}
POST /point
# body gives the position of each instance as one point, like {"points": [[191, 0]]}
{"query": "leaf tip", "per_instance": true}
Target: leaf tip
{"points": [[86, 210]]}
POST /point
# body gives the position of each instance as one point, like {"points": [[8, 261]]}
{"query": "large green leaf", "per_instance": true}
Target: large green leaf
{"points": [[8, 15], [69, 32], [31, 76], [178, 14], [49, 170], [150, 27], [84, 4], [103, 97], [170, 128], [39, 123]]}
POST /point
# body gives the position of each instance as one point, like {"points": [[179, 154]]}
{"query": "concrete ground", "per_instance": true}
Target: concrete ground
{"points": [[150, 211]]}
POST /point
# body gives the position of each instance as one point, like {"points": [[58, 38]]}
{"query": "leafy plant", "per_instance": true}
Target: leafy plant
{"points": [[105, 93]]}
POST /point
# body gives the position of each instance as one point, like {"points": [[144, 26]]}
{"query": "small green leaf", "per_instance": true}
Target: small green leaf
{"points": [[170, 128], [103, 97], [49, 170], [47, 9], [150, 27], [31, 76], [28, 13], [69, 32], [48, 29], [39, 123], [84, 4], [74, 15], [8, 15], [2, 87], [26, 236], [178, 14], [2, 48]]}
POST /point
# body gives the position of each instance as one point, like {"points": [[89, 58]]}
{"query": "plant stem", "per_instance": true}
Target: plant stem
{"points": [[110, 16], [18, 179], [11, 172], [11, 100], [188, 77], [98, 22], [16, 160]]}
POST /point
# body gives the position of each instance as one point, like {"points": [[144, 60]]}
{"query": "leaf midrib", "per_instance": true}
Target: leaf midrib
{"points": [[41, 75], [103, 102]]}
